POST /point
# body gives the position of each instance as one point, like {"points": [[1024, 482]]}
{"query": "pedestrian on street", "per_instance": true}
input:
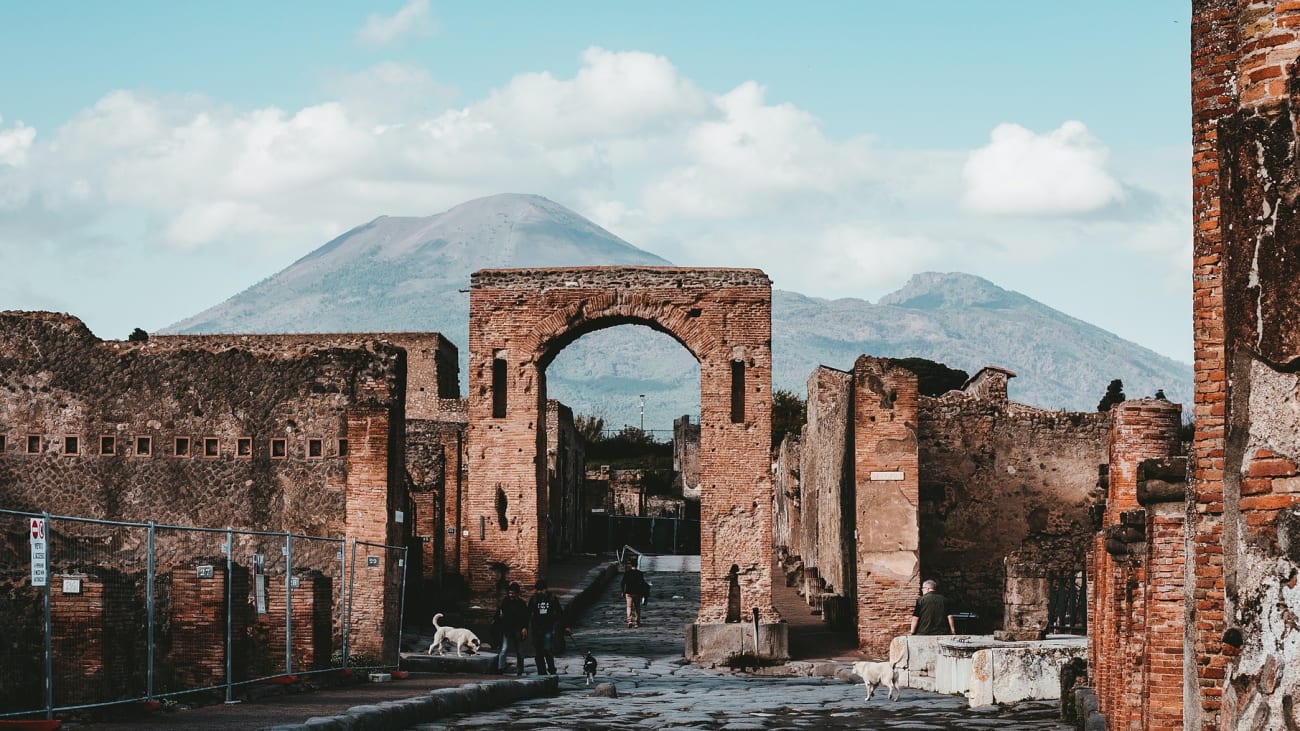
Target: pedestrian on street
{"points": [[545, 618], [931, 614], [635, 589], [511, 617]]}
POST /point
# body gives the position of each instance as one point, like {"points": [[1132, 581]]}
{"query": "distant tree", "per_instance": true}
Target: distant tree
{"points": [[1188, 430], [934, 378], [590, 428], [788, 415], [138, 336], [1114, 395]]}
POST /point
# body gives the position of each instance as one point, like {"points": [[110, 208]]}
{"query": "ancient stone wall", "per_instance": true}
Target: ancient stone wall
{"points": [[566, 471], [1136, 570], [885, 473], [686, 458], [997, 479], [521, 319], [826, 518], [1242, 668]]}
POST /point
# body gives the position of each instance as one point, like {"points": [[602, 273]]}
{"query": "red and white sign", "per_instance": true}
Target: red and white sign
{"points": [[40, 561]]}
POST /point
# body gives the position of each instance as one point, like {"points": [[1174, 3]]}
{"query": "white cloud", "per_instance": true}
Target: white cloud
{"points": [[1060, 173], [14, 144], [412, 20]]}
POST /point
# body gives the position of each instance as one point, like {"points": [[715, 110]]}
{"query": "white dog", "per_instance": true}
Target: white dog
{"points": [[459, 635], [881, 673]]}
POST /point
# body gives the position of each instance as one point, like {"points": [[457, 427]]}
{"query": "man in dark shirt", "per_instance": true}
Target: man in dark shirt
{"points": [[545, 618], [931, 616], [512, 615]]}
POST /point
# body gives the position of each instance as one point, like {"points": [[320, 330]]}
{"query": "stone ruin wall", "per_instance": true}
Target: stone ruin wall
{"points": [[1001, 480], [566, 473], [995, 480], [1242, 659], [686, 458]]}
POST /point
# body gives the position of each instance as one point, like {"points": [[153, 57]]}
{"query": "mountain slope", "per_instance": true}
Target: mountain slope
{"points": [[406, 274]]}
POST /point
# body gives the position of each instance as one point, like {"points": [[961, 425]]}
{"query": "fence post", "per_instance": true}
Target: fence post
{"points": [[49, 624], [229, 550], [288, 603], [401, 605], [347, 604], [148, 611]]}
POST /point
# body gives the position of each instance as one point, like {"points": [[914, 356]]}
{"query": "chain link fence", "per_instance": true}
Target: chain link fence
{"points": [[96, 612]]}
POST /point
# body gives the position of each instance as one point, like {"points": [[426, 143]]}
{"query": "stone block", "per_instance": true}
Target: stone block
{"points": [[712, 644]]}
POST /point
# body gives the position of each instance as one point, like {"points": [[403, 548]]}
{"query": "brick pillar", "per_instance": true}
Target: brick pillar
{"points": [[313, 600], [197, 622], [94, 630], [886, 487], [1120, 650], [371, 504]]}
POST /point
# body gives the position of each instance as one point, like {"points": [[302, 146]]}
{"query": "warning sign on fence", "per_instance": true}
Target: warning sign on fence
{"points": [[40, 564]]}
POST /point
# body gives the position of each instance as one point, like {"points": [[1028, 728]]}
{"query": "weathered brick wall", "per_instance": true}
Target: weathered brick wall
{"points": [[435, 466], [885, 403], [786, 498], [311, 616], [686, 457], [1246, 302], [566, 471], [92, 638], [826, 517], [1000, 478], [194, 643], [523, 318], [1132, 633]]}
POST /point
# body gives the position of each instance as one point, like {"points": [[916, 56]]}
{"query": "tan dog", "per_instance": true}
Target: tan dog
{"points": [[459, 635], [881, 673]]}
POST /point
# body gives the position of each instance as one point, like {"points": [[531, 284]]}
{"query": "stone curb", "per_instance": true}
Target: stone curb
{"points": [[401, 714]]}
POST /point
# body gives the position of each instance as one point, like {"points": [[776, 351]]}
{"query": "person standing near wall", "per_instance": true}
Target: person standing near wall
{"points": [[931, 615], [512, 615], [545, 618]]}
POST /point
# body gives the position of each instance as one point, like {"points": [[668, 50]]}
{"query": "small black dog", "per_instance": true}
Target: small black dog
{"points": [[589, 668]]}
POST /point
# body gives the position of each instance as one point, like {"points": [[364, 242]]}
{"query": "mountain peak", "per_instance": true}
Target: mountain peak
{"points": [[951, 290]]}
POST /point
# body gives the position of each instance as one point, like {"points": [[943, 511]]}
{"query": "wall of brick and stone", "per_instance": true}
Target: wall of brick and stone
{"points": [[999, 479], [686, 458], [566, 474], [826, 499], [1241, 665], [1136, 571]]}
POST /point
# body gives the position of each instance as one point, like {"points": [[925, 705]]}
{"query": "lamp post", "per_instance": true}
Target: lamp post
{"points": [[642, 397]]}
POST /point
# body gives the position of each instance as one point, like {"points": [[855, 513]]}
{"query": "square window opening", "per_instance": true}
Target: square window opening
{"points": [[4, 442], [108, 445], [315, 448], [143, 446], [244, 447], [71, 445], [211, 447], [182, 448], [343, 447], [33, 444], [279, 449]]}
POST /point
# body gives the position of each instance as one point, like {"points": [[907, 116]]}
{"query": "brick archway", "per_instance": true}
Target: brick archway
{"points": [[520, 319]]}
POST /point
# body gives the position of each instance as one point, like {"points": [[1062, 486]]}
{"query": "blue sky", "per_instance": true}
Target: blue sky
{"points": [[156, 158]]}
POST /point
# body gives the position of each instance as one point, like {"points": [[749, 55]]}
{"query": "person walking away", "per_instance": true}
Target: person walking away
{"points": [[635, 589], [511, 617], [545, 618], [931, 615]]}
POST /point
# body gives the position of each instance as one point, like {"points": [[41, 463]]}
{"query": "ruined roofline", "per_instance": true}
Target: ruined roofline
{"points": [[983, 371], [269, 341], [624, 276]]}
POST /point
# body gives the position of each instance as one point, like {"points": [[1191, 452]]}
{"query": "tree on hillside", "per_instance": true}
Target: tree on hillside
{"points": [[934, 378], [788, 415], [137, 335], [1114, 395]]}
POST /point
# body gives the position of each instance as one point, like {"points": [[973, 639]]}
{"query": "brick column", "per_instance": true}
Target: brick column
{"points": [[886, 487], [94, 630], [197, 620]]}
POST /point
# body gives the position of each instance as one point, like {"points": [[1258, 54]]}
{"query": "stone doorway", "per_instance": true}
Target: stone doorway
{"points": [[520, 319]]}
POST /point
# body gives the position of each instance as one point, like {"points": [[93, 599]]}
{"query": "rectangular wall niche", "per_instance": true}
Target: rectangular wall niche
{"points": [[737, 391], [498, 388]]}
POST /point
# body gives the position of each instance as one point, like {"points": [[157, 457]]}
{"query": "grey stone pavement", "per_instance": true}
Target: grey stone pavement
{"points": [[657, 689]]}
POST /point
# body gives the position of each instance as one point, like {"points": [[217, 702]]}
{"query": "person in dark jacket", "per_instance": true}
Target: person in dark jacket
{"points": [[545, 618], [635, 589], [931, 615], [511, 617]]}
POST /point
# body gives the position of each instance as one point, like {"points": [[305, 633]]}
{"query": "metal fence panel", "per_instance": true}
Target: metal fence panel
{"points": [[135, 611]]}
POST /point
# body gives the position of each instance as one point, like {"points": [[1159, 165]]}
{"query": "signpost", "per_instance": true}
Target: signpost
{"points": [[40, 560]]}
